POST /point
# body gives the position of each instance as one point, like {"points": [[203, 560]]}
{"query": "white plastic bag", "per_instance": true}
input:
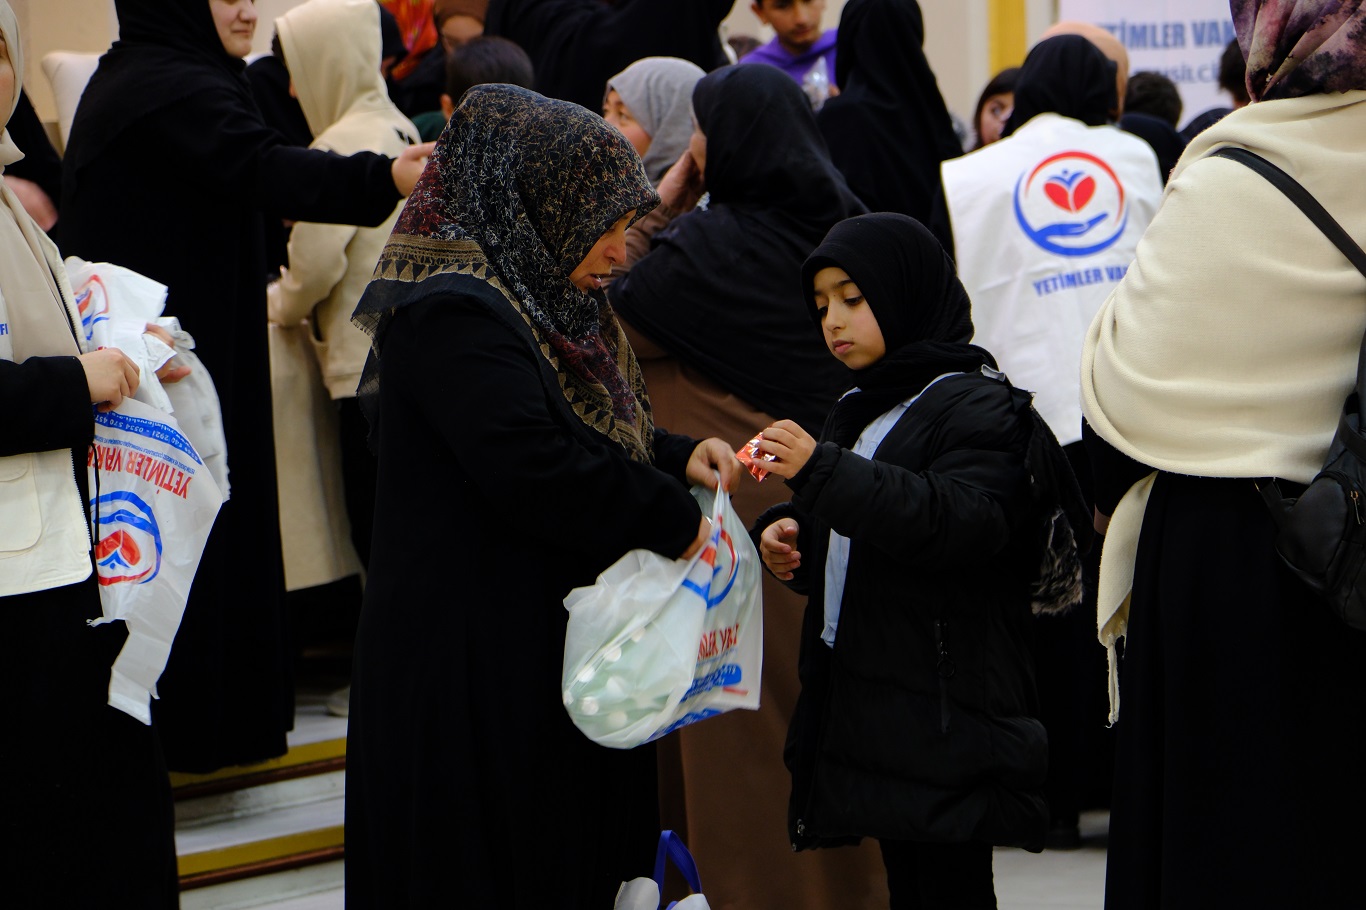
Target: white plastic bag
{"points": [[153, 502], [657, 644], [643, 893], [116, 304]]}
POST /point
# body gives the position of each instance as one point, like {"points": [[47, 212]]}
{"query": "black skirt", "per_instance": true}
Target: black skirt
{"points": [[1240, 733]]}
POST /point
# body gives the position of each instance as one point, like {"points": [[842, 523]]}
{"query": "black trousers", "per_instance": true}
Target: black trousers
{"points": [[938, 876]]}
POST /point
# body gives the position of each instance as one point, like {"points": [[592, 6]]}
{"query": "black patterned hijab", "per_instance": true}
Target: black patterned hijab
{"points": [[1301, 47], [516, 193]]}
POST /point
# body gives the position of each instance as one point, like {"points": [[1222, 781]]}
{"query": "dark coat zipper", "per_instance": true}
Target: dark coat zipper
{"points": [[945, 669]]}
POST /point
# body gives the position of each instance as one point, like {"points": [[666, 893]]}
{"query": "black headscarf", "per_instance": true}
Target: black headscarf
{"points": [[1066, 75], [577, 45], [177, 39], [516, 193], [924, 313], [717, 290], [888, 130], [764, 150]]}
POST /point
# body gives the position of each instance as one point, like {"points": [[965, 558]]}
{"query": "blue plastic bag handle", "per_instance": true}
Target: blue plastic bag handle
{"points": [[672, 846]]}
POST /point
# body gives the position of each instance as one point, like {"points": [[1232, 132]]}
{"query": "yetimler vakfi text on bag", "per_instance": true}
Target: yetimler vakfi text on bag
{"points": [[1322, 533]]}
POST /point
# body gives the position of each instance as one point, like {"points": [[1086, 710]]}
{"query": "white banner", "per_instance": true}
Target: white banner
{"points": [[1182, 39]]}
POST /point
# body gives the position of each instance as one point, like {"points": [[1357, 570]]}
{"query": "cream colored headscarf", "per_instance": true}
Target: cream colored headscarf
{"points": [[34, 294]]}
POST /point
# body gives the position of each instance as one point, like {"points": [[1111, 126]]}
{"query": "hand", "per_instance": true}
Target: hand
{"points": [[777, 548], [170, 371], [791, 447], [407, 167], [703, 533], [682, 185], [1100, 521], [111, 377], [710, 456], [35, 201]]}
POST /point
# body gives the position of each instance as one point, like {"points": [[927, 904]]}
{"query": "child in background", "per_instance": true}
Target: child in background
{"points": [[798, 46], [918, 527]]}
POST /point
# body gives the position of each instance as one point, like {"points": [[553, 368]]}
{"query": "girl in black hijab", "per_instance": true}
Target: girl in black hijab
{"points": [[518, 458], [915, 530], [888, 129], [706, 292], [170, 171]]}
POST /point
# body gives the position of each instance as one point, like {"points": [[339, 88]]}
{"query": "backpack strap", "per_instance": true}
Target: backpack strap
{"points": [[1302, 198]]}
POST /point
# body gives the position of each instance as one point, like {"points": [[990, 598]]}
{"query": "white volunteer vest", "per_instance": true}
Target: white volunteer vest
{"points": [[1045, 223]]}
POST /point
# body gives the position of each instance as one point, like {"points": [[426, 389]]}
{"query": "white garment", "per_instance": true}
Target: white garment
{"points": [[837, 556], [1045, 223], [332, 49]]}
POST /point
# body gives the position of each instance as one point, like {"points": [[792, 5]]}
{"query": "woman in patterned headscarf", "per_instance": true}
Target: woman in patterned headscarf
{"points": [[517, 460], [1224, 357]]}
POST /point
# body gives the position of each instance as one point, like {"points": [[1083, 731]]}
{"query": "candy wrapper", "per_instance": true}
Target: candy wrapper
{"points": [[750, 455]]}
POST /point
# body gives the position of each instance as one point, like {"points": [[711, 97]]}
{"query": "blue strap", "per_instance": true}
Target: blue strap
{"points": [[671, 845]]}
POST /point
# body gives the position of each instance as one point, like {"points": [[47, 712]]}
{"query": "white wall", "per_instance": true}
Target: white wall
{"points": [[957, 37]]}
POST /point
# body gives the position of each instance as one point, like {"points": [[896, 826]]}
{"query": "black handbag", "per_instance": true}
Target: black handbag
{"points": [[1321, 534]]}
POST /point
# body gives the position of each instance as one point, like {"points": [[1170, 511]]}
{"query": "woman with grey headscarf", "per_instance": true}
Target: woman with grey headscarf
{"points": [[1222, 359], [650, 102]]}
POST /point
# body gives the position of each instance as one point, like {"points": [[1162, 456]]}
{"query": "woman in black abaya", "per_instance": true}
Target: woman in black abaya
{"points": [[501, 371], [169, 172], [888, 130]]}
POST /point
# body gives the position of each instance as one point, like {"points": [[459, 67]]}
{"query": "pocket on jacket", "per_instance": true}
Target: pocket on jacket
{"points": [[22, 523]]}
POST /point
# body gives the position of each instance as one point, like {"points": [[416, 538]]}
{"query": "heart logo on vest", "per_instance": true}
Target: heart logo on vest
{"points": [[1071, 203], [1070, 190]]}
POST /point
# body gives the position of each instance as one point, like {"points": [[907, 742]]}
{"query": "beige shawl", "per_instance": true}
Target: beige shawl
{"points": [[35, 298], [1230, 345]]}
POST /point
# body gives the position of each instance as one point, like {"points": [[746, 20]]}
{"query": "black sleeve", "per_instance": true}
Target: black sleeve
{"points": [[672, 452], [289, 182], [1112, 472], [960, 508], [46, 403], [602, 504]]}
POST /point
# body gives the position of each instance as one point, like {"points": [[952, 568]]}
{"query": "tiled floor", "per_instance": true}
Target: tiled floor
{"points": [[1054, 879]]}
